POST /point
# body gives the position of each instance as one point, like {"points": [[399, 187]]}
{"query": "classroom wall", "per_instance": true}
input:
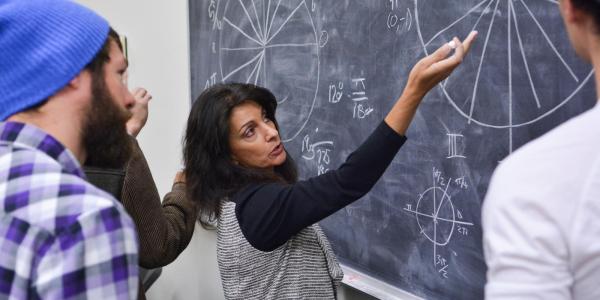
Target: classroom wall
{"points": [[158, 60], [158, 44]]}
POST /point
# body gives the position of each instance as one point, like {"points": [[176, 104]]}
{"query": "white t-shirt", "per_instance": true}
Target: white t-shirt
{"points": [[541, 216]]}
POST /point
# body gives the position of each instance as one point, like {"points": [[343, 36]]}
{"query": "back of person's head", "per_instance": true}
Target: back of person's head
{"points": [[211, 173], [591, 7], [44, 44]]}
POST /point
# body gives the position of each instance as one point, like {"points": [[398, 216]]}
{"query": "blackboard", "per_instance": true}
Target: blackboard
{"points": [[337, 67]]}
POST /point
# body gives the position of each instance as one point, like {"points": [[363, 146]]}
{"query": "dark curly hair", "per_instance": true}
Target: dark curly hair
{"points": [[211, 174]]}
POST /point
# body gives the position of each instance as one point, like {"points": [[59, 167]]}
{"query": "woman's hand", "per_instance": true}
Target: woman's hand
{"points": [[179, 177], [428, 72], [436, 67]]}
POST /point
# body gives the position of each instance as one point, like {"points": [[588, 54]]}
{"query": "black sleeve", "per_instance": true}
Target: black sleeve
{"points": [[269, 214]]}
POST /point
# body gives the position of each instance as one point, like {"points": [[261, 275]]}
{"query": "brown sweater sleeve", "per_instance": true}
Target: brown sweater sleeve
{"points": [[165, 229]]}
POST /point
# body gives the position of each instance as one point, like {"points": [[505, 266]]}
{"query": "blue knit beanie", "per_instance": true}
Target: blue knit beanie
{"points": [[43, 45]]}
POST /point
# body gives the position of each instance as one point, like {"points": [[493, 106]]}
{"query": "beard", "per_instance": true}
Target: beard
{"points": [[105, 137]]}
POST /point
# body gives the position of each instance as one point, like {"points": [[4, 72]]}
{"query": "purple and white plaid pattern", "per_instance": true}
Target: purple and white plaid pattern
{"points": [[60, 237]]}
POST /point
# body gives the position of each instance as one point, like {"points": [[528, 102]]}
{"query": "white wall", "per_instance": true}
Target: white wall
{"points": [[157, 33], [158, 44]]}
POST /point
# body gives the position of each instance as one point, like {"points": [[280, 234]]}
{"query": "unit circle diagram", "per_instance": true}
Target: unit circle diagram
{"points": [[435, 220], [274, 44], [506, 71]]}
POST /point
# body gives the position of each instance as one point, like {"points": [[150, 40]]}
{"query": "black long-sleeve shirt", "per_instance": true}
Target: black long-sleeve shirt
{"points": [[270, 213]]}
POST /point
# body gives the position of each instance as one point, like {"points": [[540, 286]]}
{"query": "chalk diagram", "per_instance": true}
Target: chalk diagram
{"points": [[438, 219], [273, 43], [507, 70]]}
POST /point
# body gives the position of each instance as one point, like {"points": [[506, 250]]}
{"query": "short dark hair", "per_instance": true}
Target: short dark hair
{"points": [[211, 174], [591, 7], [96, 66]]}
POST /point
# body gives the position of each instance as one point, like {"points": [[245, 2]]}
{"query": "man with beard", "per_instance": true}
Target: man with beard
{"points": [[62, 99], [165, 227]]}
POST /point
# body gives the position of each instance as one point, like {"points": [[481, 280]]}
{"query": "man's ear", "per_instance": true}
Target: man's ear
{"points": [[80, 85], [76, 82]]}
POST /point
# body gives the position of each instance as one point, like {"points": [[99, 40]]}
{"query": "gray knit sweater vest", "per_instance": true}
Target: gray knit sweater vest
{"points": [[304, 267]]}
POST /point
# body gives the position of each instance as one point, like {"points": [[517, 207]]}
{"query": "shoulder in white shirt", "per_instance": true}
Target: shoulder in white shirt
{"points": [[541, 216]]}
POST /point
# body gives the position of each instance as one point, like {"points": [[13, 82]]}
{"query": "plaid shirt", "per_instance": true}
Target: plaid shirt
{"points": [[60, 237]]}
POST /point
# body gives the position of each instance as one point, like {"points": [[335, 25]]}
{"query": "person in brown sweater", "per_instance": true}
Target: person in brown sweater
{"points": [[164, 229]]}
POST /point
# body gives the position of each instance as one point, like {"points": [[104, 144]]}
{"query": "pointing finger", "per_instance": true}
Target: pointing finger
{"points": [[469, 41]]}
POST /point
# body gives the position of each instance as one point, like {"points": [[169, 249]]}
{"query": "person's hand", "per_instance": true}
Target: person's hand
{"points": [[139, 111], [179, 177], [428, 72], [436, 67]]}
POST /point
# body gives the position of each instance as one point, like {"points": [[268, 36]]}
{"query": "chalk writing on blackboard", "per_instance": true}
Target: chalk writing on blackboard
{"points": [[502, 21], [438, 217], [319, 152], [453, 142], [396, 21], [357, 94]]}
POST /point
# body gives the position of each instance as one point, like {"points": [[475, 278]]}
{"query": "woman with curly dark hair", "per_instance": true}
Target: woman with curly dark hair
{"points": [[240, 174]]}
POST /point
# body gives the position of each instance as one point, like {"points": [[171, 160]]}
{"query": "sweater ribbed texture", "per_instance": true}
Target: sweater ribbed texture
{"points": [[304, 267], [43, 45], [165, 229]]}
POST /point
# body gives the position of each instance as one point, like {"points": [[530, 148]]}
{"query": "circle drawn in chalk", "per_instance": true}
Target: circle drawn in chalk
{"points": [[511, 78], [436, 217], [273, 44]]}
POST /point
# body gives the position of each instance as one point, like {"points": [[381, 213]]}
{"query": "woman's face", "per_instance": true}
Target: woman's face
{"points": [[253, 138]]}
